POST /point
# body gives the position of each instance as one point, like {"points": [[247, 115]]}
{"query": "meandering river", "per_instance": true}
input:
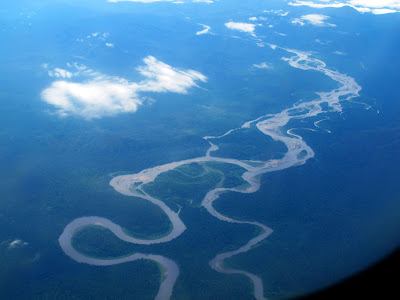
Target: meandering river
{"points": [[298, 152]]}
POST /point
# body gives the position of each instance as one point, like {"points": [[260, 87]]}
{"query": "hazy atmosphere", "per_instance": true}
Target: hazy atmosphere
{"points": [[196, 149]]}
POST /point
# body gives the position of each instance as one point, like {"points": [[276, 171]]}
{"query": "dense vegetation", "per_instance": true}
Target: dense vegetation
{"points": [[249, 144], [54, 169], [188, 184]]}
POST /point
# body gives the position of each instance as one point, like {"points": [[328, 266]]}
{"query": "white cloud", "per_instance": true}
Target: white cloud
{"points": [[94, 36], [92, 99], [81, 67], [372, 6], [164, 78], [17, 243], [204, 31], [244, 27], [253, 19], [383, 11], [317, 20], [313, 19], [101, 95], [278, 12], [322, 42], [395, 4], [298, 21], [111, 45], [57, 72], [316, 5], [263, 65]]}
